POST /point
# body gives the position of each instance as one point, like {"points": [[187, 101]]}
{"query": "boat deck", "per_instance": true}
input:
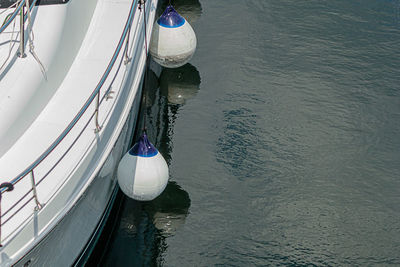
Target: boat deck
{"points": [[36, 107]]}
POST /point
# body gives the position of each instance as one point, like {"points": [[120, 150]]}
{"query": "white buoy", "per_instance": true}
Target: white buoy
{"points": [[173, 40], [143, 172], [191, 10]]}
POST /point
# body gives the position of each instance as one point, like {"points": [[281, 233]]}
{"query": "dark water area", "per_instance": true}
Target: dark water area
{"points": [[282, 137]]}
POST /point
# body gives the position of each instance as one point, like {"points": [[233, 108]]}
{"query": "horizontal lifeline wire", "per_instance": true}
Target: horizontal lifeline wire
{"points": [[64, 154], [87, 103], [14, 14]]}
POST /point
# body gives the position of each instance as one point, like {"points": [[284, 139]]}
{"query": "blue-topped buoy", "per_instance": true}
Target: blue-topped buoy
{"points": [[173, 40], [143, 172]]}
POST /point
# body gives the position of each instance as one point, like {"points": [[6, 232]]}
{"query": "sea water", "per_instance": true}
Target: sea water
{"points": [[282, 137]]}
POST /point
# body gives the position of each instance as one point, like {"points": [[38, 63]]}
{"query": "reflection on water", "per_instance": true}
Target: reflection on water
{"points": [[144, 226], [289, 155], [139, 239], [140, 236], [169, 211], [180, 84], [165, 96]]}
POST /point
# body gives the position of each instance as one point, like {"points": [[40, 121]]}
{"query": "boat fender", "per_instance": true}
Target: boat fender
{"points": [[173, 41], [142, 172]]}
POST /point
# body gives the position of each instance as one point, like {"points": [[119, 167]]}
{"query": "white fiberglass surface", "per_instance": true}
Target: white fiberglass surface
{"points": [[58, 31], [74, 83]]}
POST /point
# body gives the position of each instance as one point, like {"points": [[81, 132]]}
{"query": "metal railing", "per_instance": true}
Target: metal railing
{"points": [[30, 170], [11, 17]]}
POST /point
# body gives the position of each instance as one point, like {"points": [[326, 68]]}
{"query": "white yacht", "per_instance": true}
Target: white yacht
{"points": [[70, 90]]}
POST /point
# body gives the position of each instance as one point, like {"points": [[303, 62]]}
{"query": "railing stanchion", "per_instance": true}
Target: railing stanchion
{"points": [[8, 187], [98, 127], [95, 94], [21, 52], [38, 205]]}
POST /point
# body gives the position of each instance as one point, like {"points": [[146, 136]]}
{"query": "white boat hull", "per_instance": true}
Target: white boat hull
{"points": [[75, 182], [69, 239]]}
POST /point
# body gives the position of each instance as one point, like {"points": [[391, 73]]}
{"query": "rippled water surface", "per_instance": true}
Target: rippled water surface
{"points": [[285, 148]]}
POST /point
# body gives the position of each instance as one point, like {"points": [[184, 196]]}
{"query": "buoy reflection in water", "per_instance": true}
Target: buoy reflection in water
{"points": [[144, 227], [140, 236], [180, 84], [169, 211]]}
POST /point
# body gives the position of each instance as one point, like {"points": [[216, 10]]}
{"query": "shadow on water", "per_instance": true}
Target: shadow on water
{"points": [[180, 84], [137, 231], [296, 142], [165, 95], [139, 236]]}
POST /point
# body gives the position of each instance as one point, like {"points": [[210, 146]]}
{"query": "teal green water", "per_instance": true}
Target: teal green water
{"points": [[286, 151]]}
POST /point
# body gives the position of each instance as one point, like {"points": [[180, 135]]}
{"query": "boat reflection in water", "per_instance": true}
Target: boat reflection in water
{"points": [[140, 237]]}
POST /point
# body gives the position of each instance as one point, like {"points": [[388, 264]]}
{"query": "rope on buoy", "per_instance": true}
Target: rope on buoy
{"points": [[143, 172], [142, 2]]}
